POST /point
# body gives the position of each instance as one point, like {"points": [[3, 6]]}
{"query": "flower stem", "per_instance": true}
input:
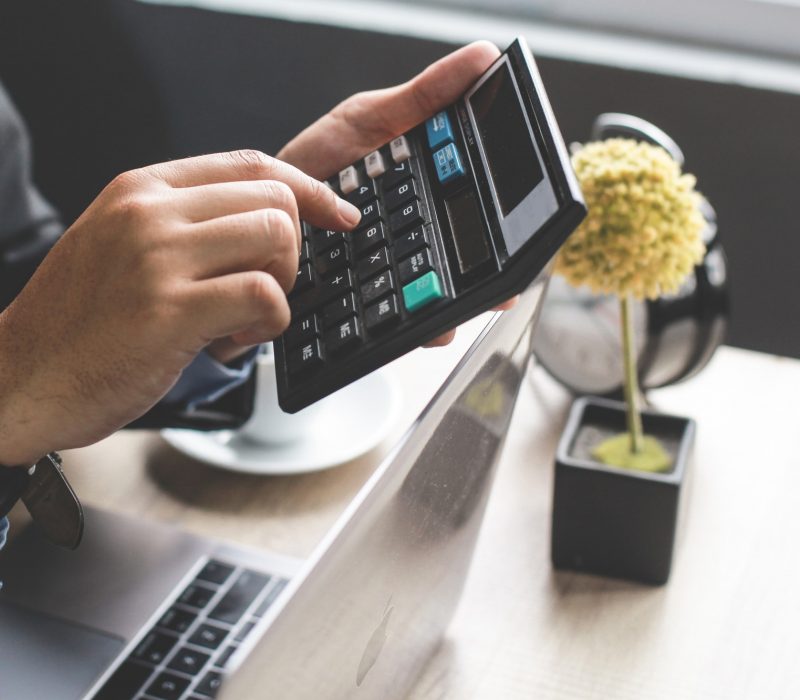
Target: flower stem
{"points": [[631, 384]]}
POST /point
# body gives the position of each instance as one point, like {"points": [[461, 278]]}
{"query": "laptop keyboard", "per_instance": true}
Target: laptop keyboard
{"points": [[183, 656]]}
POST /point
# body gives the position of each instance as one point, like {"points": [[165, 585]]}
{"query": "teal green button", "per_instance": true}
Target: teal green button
{"points": [[422, 291]]}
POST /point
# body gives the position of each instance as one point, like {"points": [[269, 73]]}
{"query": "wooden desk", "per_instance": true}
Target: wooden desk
{"points": [[726, 626]]}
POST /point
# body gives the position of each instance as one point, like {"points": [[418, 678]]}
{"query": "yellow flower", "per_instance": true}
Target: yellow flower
{"points": [[642, 235]]}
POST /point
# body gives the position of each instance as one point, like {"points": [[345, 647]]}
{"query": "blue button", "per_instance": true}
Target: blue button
{"points": [[439, 130], [448, 163]]}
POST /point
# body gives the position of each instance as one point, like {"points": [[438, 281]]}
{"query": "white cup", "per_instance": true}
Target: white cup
{"points": [[269, 424]]}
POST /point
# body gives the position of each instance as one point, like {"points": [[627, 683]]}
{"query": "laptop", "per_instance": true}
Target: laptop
{"points": [[144, 611]]}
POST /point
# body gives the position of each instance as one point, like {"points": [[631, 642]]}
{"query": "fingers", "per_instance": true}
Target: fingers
{"points": [[249, 306], [316, 202], [266, 239], [368, 120], [444, 339]]}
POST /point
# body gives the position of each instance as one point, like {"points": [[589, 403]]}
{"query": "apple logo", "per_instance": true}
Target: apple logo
{"points": [[374, 645]]}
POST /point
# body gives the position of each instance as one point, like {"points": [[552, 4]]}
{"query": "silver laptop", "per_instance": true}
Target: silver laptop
{"points": [[144, 611]]}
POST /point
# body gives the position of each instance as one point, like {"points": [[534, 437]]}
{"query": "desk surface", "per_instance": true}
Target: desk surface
{"points": [[726, 626]]}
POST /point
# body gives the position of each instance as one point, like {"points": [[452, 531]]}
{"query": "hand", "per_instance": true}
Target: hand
{"points": [[166, 260], [368, 120]]}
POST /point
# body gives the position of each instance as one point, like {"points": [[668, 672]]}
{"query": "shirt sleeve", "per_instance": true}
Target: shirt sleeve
{"points": [[3, 532], [206, 379]]}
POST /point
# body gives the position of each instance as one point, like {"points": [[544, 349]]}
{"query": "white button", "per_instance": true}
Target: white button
{"points": [[374, 163], [348, 179], [400, 149]]}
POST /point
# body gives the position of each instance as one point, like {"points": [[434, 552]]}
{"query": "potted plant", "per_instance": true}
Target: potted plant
{"points": [[619, 470]]}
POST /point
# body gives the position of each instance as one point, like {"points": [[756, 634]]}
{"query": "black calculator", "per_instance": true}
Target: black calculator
{"points": [[458, 214]]}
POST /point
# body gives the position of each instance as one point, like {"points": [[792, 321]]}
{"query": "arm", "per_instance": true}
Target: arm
{"points": [[166, 261]]}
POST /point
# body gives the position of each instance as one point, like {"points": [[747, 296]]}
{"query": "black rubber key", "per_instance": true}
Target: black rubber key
{"points": [[373, 263], [332, 259], [409, 215], [127, 680], [196, 596], [189, 661], [415, 266], [302, 331], [241, 594], [209, 685], [397, 173], [325, 238], [177, 620], [208, 636], [408, 242], [168, 686], [215, 572], [365, 239], [382, 314], [370, 213], [305, 358], [154, 648], [377, 287], [339, 309], [399, 195], [304, 279], [362, 194], [343, 335]]}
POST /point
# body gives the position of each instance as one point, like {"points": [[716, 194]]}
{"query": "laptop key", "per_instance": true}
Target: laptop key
{"points": [[196, 596], [127, 679], [154, 648], [167, 686], [215, 572], [209, 686], [275, 591], [177, 620], [246, 629], [208, 636], [241, 594], [189, 661], [222, 660]]}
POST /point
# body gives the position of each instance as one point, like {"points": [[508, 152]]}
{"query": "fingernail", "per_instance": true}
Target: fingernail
{"points": [[348, 212]]}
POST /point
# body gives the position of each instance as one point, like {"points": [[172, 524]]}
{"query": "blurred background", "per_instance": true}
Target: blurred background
{"points": [[107, 85]]}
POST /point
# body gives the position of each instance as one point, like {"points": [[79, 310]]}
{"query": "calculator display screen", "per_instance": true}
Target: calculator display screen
{"points": [[466, 219], [507, 141]]}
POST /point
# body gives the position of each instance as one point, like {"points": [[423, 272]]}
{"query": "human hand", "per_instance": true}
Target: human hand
{"points": [[167, 259], [368, 120]]}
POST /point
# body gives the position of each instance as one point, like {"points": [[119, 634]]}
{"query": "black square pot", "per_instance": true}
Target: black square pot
{"points": [[613, 521]]}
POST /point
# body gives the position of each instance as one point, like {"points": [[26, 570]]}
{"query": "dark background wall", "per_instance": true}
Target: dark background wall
{"points": [[107, 85]]}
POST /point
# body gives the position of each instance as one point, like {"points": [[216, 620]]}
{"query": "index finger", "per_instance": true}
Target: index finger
{"points": [[316, 202]]}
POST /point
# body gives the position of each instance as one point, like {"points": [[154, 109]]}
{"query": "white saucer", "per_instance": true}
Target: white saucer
{"points": [[350, 423]]}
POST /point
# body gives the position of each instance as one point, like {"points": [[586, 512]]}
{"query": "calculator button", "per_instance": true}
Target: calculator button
{"points": [[339, 309], [397, 173], [422, 291], [370, 213], [325, 238], [373, 263], [415, 266], [302, 331], [303, 304], [332, 259], [382, 314], [305, 358], [399, 195], [448, 164], [409, 242], [343, 335], [439, 130], [339, 283], [400, 149], [363, 193], [348, 180], [304, 279], [409, 215], [374, 164], [366, 238], [377, 287]]}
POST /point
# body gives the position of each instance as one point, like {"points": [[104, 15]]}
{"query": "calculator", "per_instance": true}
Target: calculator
{"points": [[459, 214]]}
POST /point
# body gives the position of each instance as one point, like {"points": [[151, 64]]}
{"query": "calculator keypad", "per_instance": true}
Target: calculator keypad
{"points": [[353, 287]]}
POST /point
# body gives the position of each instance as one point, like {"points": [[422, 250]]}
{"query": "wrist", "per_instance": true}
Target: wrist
{"points": [[20, 419]]}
